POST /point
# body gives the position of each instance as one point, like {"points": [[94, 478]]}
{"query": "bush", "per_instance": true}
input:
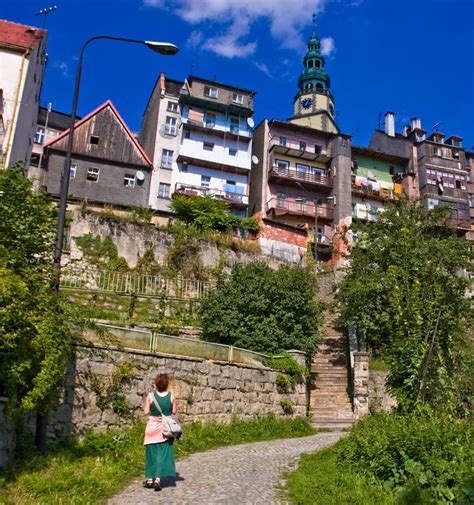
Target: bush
{"points": [[412, 455], [263, 310]]}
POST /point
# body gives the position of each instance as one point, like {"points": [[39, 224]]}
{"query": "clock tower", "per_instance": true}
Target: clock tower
{"points": [[314, 104]]}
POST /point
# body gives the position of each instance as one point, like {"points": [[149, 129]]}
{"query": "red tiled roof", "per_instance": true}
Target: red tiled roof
{"points": [[18, 35]]}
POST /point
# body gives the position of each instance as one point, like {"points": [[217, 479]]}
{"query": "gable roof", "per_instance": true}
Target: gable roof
{"points": [[107, 104], [15, 34]]}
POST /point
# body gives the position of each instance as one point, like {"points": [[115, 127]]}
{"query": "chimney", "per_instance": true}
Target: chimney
{"points": [[162, 84], [415, 123], [390, 124]]}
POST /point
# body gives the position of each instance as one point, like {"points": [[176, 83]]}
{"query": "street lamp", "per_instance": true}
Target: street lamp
{"points": [[164, 48]]}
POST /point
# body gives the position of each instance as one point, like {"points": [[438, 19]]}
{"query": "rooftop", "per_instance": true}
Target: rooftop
{"points": [[17, 35], [192, 78]]}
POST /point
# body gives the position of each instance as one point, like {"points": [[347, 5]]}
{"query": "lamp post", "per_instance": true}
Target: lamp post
{"points": [[164, 48]]}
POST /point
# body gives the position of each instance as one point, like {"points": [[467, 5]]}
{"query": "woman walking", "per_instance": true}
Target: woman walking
{"points": [[159, 457]]}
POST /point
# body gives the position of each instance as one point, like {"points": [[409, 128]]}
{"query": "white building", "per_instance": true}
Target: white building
{"points": [[199, 135], [22, 58]]}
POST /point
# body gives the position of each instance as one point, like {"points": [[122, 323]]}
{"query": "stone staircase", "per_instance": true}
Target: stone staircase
{"points": [[330, 401]]}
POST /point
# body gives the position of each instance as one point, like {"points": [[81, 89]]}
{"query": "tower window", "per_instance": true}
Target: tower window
{"points": [[331, 109], [318, 64], [319, 87], [310, 64]]}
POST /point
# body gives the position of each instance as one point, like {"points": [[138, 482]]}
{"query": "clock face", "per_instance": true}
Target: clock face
{"points": [[306, 103]]}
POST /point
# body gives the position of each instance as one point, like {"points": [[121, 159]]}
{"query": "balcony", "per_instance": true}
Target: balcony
{"points": [[232, 197], [373, 191], [197, 121], [290, 174], [294, 149], [457, 194], [295, 207]]}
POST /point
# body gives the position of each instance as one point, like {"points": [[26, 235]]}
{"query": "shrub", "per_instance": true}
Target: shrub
{"points": [[412, 455], [263, 310]]}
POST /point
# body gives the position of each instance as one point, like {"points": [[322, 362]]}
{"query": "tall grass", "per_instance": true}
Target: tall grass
{"points": [[94, 468]]}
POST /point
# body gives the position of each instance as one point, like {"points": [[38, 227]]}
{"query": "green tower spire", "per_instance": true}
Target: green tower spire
{"points": [[314, 77]]}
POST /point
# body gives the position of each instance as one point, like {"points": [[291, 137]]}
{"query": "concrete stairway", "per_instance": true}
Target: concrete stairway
{"points": [[330, 402]]}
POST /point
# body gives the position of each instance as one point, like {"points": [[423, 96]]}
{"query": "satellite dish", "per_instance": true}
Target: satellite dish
{"points": [[255, 160], [250, 122], [140, 176]]}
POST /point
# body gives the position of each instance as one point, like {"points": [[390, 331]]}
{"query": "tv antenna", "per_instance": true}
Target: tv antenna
{"points": [[436, 125], [44, 12]]}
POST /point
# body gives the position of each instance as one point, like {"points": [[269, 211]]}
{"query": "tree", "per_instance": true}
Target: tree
{"points": [[207, 213], [263, 310], [405, 271], [37, 327]]}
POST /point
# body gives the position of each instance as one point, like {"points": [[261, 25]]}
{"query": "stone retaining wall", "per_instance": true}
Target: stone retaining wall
{"points": [[205, 390], [379, 398]]}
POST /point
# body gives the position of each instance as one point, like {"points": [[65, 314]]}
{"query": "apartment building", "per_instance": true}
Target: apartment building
{"points": [[437, 171], [376, 181], [199, 135], [301, 180], [22, 60]]}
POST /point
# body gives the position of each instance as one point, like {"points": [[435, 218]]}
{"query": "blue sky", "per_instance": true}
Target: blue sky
{"points": [[412, 57]]}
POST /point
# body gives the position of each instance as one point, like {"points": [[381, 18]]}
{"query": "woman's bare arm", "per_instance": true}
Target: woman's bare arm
{"points": [[146, 408], [173, 401]]}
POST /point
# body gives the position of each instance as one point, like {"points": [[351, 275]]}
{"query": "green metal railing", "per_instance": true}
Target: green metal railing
{"points": [[139, 284]]}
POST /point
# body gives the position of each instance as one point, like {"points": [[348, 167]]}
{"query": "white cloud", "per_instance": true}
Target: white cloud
{"points": [[286, 20], [63, 67], [261, 66], [328, 46], [195, 39]]}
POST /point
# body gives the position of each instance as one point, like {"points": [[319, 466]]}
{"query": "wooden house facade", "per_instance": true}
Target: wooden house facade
{"points": [[108, 164]]}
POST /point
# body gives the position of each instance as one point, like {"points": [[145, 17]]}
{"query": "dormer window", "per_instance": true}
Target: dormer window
{"points": [[94, 140]]}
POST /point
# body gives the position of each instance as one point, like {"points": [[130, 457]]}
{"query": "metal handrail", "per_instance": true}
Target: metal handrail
{"points": [[292, 173]]}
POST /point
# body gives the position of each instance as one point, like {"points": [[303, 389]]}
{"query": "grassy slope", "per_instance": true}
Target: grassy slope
{"points": [[96, 468]]}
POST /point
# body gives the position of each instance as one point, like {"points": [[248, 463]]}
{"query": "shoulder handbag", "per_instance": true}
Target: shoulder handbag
{"points": [[170, 425]]}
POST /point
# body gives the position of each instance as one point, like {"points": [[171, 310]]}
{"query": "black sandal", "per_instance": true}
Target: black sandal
{"points": [[156, 485], [148, 483]]}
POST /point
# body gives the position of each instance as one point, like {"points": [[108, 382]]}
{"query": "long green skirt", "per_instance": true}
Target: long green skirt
{"points": [[159, 460]]}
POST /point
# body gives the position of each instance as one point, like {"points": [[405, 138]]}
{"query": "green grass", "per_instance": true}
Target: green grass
{"points": [[95, 468], [318, 480]]}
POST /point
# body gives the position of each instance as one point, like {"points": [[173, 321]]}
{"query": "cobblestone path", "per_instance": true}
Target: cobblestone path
{"points": [[241, 474]]}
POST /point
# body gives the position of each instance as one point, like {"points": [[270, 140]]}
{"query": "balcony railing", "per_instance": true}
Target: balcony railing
{"points": [[233, 197], [218, 125], [430, 189], [282, 206], [373, 191], [299, 175]]}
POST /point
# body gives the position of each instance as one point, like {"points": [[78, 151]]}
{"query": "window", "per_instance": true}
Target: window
{"points": [[72, 170], [170, 125], [93, 174], [319, 87], [283, 141], [211, 92], [281, 200], [331, 109], [230, 186], [310, 63], [187, 134], [471, 201], [318, 64], [456, 154], [234, 124], [354, 209], [300, 203], [283, 164], [39, 135], [232, 152], [184, 166], [210, 120], [172, 106], [302, 145], [129, 181], [205, 181], [302, 170], [208, 146], [164, 190], [166, 159], [438, 151], [94, 140], [236, 98]]}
